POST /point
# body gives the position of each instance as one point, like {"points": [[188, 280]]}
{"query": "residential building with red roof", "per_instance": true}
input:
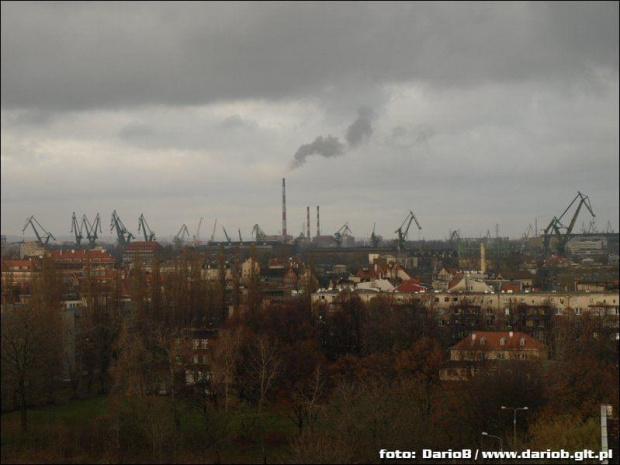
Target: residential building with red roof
{"points": [[78, 259], [481, 349]]}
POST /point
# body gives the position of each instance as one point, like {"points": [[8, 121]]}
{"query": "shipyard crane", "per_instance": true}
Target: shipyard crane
{"points": [[240, 239], [526, 237], [402, 233], [91, 229], [197, 236], [177, 241], [374, 239], [76, 229], [149, 235], [343, 231], [213, 232], [31, 221], [562, 232], [226, 234], [258, 233], [608, 228], [123, 235]]}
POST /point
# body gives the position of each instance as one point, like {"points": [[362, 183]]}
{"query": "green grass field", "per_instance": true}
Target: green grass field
{"points": [[68, 432]]}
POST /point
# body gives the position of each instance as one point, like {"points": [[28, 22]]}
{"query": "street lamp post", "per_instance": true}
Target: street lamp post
{"points": [[514, 422], [501, 446]]}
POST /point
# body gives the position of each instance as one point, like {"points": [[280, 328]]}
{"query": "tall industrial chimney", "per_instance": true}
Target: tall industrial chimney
{"points": [[483, 258], [318, 223], [283, 209], [308, 222]]}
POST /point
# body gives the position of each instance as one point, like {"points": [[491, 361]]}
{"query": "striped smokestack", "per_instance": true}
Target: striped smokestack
{"points": [[318, 223], [283, 209], [308, 222]]}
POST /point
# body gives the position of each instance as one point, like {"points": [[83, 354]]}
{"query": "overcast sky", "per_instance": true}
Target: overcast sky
{"points": [[470, 115]]}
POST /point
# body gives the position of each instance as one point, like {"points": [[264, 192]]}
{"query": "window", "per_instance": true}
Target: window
{"points": [[204, 359], [506, 311], [558, 310], [195, 359], [500, 356], [195, 343], [522, 341], [455, 299], [446, 299], [502, 341], [437, 299], [442, 322], [203, 343], [441, 310], [578, 311], [489, 323], [489, 311], [483, 341]]}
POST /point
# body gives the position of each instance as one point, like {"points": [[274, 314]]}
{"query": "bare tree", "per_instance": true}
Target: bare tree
{"points": [[32, 342], [264, 366], [306, 397], [225, 357]]}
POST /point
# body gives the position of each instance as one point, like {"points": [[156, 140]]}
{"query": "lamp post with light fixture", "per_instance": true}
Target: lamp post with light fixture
{"points": [[514, 423], [501, 446]]}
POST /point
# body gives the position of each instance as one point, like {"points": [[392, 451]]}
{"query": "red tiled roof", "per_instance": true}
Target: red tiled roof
{"points": [[492, 340], [514, 287], [79, 256], [454, 281], [413, 285]]}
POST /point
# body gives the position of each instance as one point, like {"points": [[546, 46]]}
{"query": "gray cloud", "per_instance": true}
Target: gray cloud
{"points": [[327, 147], [189, 110], [77, 56], [361, 128], [406, 137]]}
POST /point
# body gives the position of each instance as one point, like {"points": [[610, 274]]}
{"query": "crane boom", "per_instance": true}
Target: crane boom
{"points": [[197, 236], [213, 232], [258, 233], [123, 235], [343, 231], [555, 227], [31, 221], [76, 229], [149, 235], [182, 232], [91, 229]]}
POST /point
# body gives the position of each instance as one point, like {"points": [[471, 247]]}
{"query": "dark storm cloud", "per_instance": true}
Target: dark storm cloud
{"points": [[66, 56]]}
